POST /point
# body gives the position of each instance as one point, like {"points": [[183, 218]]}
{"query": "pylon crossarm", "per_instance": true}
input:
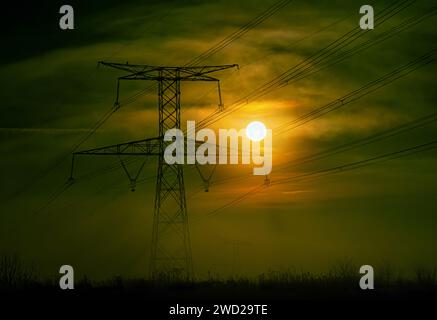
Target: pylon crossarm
{"points": [[145, 72], [145, 147], [157, 77], [127, 67], [148, 147]]}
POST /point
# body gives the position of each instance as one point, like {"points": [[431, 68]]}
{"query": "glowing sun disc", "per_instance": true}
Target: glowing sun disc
{"points": [[256, 131]]}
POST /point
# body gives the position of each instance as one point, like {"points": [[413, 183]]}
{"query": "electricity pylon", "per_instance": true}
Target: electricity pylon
{"points": [[171, 257]]}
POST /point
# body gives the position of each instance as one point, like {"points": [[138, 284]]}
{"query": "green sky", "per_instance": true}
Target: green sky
{"points": [[53, 92]]}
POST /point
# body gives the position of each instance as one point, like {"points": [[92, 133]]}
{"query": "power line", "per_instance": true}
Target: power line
{"points": [[133, 98], [240, 32], [210, 52], [216, 48], [151, 22], [368, 88], [286, 77], [352, 97], [334, 105], [98, 125], [341, 168], [294, 43]]}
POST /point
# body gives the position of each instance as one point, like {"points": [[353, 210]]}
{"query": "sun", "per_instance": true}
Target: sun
{"points": [[256, 131]]}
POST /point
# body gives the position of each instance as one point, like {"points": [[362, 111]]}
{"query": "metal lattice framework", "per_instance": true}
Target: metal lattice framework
{"points": [[171, 256]]}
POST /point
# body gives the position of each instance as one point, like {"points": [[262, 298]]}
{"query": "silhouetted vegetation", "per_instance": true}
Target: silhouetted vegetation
{"points": [[341, 281], [16, 274]]}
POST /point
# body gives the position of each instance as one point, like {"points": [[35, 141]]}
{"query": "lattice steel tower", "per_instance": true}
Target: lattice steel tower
{"points": [[171, 257]]}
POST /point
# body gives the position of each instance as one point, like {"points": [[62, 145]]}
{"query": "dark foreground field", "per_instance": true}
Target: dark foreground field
{"points": [[312, 298], [287, 293]]}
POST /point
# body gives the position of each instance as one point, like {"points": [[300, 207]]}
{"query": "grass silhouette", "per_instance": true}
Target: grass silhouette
{"points": [[341, 282]]}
